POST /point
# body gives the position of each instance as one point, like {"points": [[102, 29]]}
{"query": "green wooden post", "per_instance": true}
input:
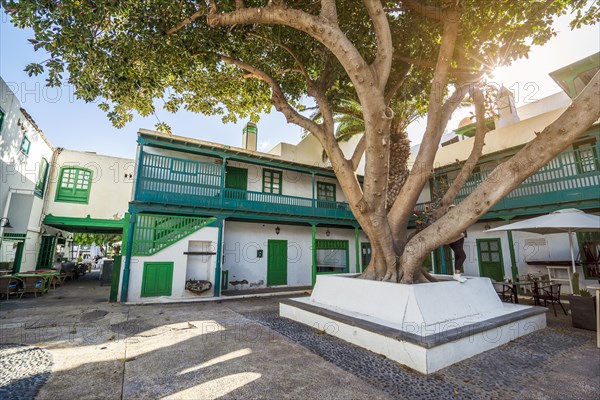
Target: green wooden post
{"points": [[313, 190], [513, 260], [314, 254], [221, 221], [129, 247], [223, 174], [357, 245]]}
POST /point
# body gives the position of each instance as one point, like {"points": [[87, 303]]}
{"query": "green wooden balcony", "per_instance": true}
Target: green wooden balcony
{"points": [[181, 182], [569, 180]]}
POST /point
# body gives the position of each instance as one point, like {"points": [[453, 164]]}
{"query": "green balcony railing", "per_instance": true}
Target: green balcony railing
{"points": [[571, 177], [168, 180]]}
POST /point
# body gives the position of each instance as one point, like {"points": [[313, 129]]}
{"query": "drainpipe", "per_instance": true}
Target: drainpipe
{"points": [[128, 248]]}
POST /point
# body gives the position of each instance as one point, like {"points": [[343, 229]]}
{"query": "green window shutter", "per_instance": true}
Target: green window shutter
{"points": [[272, 181], [25, 145], [157, 279], [74, 185], [325, 191], [40, 185]]}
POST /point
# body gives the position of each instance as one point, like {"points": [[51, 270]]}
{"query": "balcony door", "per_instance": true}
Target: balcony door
{"points": [[236, 178]]}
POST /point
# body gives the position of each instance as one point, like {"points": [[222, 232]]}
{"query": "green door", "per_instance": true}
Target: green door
{"points": [[47, 250], [443, 260], [489, 252], [157, 279], [277, 262]]}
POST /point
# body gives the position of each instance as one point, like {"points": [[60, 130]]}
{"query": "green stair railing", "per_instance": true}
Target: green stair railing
{"points": [[154, 233]]}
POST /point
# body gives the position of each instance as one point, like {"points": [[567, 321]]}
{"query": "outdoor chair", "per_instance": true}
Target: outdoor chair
{"points": [[10, 285], [505, 292], [33, 284], [549, 294], [54, 281]]}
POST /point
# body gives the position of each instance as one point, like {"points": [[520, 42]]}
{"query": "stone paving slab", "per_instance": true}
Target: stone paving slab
{"points": [[242, 349]]}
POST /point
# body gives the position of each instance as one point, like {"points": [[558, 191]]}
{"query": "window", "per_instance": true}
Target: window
{"points": [[40, 185], [25, 145], [74, 185], [586, 156], [271, 181], [332, 256], [325, 191]]}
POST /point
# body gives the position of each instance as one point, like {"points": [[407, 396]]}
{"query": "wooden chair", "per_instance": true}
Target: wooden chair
{"points": [[549, 294], [33, 284], [10, 285], [505, 292], [54, 281]]}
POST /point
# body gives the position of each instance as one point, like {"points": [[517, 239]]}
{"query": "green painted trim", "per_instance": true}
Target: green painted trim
{"points": [[314, 255], [82, 198], [478, 244], [25, 145], [217, 287], [18, 257], [513, 260], [15, 237], [357, 245], [40, 185], [89, 222], [128, 233]]}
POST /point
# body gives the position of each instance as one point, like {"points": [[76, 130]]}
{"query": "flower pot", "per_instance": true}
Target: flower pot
{"points": [[583, 312]]}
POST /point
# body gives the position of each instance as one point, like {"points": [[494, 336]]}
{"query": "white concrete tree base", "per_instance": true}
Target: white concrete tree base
{"points": [[426, 327]]}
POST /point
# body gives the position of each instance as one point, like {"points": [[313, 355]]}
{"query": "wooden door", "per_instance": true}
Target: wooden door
{"points": [[489, 253], [277, 262]]}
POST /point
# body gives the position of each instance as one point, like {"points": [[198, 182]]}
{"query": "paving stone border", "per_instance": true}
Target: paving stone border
{"points": [[501, 373], [24, 370]]}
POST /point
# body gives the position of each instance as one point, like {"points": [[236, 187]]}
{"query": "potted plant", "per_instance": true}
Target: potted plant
{"points": [[583, 306]]}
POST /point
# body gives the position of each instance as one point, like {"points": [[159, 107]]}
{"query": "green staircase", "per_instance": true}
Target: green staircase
{"points": [[154, 233]]}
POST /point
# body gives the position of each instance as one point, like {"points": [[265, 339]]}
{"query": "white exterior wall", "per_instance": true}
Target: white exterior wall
{"points": [[112, 183], [242, 240], [173, 253], [20, 172]]}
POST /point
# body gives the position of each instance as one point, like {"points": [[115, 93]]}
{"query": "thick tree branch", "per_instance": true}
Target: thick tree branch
{"points": [[422, 169], [359, 150], [467, 169], [278, 98], [317, 27], [555, 138], [455, 70], [383, 59]]}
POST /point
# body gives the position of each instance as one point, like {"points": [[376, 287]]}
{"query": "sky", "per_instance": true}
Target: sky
{"points": [[74, 124]]}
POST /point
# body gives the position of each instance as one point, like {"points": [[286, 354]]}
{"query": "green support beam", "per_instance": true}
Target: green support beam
{"points": [[314, 254], [130, 218], [357, 245]]}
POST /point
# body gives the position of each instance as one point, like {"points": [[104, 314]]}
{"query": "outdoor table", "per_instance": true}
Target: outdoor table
{"points": [[517, 284], [45, 275], [597, 289]]}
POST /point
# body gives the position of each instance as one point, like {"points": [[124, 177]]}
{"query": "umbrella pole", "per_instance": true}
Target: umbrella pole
{"points": [[571, 247]]}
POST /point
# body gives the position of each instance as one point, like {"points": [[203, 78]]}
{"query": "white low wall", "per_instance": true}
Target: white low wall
{"points": [[426, 327]]}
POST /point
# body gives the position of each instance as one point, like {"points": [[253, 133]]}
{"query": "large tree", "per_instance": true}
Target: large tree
{"points": [[239, 58]]}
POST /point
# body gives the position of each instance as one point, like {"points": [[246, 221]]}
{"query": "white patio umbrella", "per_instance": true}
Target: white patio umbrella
{"points": [[562, 221]]}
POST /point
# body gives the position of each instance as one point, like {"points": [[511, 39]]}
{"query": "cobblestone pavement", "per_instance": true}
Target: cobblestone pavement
{"points": [[515, 370], [24, 370]]}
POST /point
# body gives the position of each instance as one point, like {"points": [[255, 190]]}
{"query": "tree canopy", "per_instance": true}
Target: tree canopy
{"points": [[238, 58]]}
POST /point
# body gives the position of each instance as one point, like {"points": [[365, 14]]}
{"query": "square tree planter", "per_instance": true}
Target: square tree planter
{"points": [[583, 312]]}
